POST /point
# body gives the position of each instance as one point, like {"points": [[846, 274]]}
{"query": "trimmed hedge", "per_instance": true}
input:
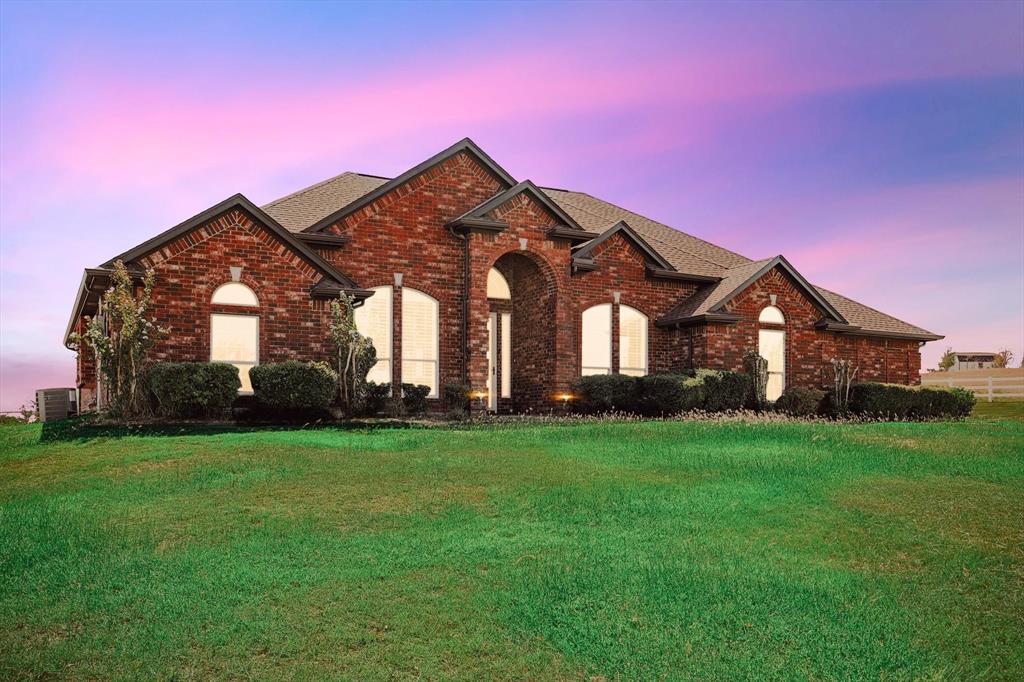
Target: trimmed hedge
{"points": [[294, 386], [377, 396], [800, 402], [663, 394], [193, 389], [724, 390], [414, 397], [895, 401], [606, 393]]}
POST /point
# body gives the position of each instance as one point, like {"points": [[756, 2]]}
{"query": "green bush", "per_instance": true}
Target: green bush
{"points": [[724, 390], [662, 394], [414, 398], [456, 399], [376, 399], [606, 393], [800, 402], [193, 389], [895, 401], [294, 387]]}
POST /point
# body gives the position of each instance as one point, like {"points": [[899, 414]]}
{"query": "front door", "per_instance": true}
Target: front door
{"points": [[492, 362]]}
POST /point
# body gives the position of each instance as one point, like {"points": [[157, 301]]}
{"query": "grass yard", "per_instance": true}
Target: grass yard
{"points": [[652, 550]]}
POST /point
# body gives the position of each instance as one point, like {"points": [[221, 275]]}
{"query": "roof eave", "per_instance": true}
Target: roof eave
{"points": [[661, 273], [706, 318]]}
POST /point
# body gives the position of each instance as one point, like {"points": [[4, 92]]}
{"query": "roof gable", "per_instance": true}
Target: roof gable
{"points": [[622, 228], [237, 201], [464, 145], [784, 265], [525, 187]]}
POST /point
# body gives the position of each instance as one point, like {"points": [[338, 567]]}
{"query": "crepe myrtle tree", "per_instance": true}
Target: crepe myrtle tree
{"points": [[757, 367], [843, 374], [120, 337], [354, 356]]}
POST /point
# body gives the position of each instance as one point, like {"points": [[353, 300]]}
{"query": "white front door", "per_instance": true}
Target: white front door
{"points": [[492, 362], [772, 347]]}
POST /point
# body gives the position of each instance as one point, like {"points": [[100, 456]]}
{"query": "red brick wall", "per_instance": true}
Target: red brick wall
{"points": [[621, 268], [188, 271], [403, 232], [808, 350]]}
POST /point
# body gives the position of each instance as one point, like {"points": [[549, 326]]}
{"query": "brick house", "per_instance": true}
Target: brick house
{"points": [[465, 275]]}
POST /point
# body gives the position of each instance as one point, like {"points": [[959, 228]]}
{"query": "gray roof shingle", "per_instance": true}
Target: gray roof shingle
{"points": [[685, 252]]}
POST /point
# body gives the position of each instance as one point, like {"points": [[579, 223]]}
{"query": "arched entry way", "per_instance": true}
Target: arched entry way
{"points": [[521, 333]]}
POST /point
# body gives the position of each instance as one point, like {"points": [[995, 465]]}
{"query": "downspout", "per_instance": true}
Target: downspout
{"points": [[465, 303]]}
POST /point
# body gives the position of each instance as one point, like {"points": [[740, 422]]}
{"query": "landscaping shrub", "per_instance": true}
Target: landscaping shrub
{"points": [[193, 389], [724, 390], [895, 401], [662, 394], [800, 402], [294, 387], [936, 402], [376, 398], [606, 393], [414, 398], [456, 399]]}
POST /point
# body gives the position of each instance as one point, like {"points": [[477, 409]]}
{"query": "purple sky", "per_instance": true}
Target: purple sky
{"points": [[880, 147]]}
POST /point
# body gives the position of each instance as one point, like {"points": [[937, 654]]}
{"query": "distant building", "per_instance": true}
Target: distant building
{"points": [[973, 360]]}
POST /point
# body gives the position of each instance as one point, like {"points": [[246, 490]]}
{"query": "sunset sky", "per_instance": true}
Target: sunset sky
{"points": [[880, 147]]}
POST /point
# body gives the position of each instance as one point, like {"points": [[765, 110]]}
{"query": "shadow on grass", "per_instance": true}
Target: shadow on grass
{"points": [[87, 427]]}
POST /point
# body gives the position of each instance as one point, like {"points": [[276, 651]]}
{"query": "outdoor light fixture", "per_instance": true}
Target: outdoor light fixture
{"points": [[565, 397]]}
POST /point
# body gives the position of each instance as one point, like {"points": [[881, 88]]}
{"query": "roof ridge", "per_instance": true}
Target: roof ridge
{"points": [[667, 227], [309, 189]]}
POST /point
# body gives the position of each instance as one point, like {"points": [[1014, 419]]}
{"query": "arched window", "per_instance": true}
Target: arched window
{"points": [[596, 336], [772, 315], [772, 347], [420, 340], [632, 341], [497, 285], [234, 293], [234, 337], [373, 319]]}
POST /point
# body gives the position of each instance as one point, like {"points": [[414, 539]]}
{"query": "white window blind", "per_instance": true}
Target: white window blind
{"points": [[772, 347], [373, 319], [632, 341], [506, 355], [235, 339], [420, 339], [771, 314], [596, 333]]}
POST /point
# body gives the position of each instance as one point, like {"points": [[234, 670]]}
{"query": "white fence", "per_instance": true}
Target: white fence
{"points": [[992, 384]]}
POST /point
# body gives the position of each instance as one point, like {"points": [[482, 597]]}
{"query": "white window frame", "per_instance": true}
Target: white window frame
{"points": [[436, 360], [235, 285], [587, 370], [248, 365], [772, 312], [645, 342]]}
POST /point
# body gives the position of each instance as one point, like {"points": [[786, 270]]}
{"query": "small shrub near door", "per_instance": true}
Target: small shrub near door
{"points": [[800, 402], [414, 398], [376, 399], [193, 389], [294, 387]]}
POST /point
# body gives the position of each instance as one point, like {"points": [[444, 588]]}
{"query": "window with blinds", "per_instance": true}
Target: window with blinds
{"points": [[235, 339], [596, 337], [420, 340], [632, 341], [373, 319]]}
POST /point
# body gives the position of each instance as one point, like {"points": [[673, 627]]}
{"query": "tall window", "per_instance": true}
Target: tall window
{"points": [[235, 338], [597, 340], [632, 341], [497, 285], [420, 340], [373, 319], [772, 347]]}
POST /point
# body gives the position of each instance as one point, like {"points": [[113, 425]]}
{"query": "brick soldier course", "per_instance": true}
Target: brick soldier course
{"points": [[439, 228]]}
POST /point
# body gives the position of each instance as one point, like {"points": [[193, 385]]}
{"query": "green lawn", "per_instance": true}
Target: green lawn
{"points": [[622, 551]]}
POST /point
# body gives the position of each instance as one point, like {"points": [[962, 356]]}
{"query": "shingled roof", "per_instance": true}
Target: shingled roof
{"points": [[687, 254]]}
